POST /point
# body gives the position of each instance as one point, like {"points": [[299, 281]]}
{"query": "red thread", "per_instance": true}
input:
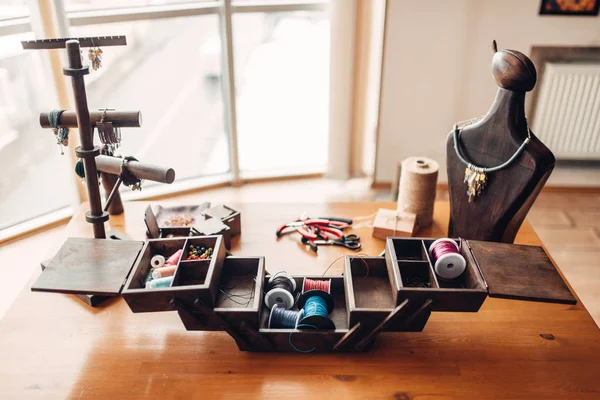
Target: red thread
{"points": [[316, 284], [444, 247]]}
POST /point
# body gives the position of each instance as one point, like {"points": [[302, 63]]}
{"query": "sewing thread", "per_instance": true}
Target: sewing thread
{"points": [[449, 263], [281, 288], [316, 284]]}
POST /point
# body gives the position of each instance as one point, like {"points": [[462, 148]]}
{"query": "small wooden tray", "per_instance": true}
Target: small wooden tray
{"points": [[493, 269]]}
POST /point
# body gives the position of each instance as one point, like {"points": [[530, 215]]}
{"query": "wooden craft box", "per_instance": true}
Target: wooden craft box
{"points": [[392, 293], [111, 267], [156, 221]]}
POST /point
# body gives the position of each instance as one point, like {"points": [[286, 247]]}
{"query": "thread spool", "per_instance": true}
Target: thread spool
{"points": [[316, 305], [167, 270], [157, 261], [281, 291], [316, 284], [174, 259], [449, 263], [416, 193], [159, 283], [280, 318]]}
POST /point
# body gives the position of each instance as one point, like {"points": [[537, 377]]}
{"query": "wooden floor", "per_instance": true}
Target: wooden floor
{"points": [[568, 223]]}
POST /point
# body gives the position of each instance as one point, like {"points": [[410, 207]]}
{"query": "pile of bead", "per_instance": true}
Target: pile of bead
{"points": [[199, 253]]}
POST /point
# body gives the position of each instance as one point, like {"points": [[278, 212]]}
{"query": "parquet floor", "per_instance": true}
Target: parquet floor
{"points": [[568, 223]]}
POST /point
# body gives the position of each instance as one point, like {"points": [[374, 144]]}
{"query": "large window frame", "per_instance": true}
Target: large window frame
{"points": [[224, 9], [58, 23]]}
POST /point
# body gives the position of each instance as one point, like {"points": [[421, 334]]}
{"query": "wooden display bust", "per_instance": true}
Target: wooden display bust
{"points": [[499, 211]]}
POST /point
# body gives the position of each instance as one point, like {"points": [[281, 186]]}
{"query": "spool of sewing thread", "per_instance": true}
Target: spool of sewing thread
{"points": [[159, 283], [449, 263], [167, 270], [416, 193], [316, 305], [281, 288], [316, 284], [174, 259], [280, 318], [157, 261]]}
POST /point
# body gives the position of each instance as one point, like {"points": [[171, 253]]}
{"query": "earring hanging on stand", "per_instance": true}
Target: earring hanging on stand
{"points": [[109, 135], [95, 56]]}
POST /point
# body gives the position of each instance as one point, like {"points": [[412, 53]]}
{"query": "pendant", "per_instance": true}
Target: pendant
{"points": [[476, 182]]}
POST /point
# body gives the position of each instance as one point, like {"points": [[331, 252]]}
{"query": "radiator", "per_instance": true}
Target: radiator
{"points": [[567, 114]]}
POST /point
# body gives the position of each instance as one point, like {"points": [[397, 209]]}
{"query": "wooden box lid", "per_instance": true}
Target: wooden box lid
{"points": [[89, 266], [519, 272]]}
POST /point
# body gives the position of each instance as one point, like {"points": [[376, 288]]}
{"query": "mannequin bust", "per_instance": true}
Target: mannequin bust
{"points": [[498, 212]]}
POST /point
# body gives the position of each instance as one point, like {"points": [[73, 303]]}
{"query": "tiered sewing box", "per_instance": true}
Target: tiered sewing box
{"points": [[366, 302]]}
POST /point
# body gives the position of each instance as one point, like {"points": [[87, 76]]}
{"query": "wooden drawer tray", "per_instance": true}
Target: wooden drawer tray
{"points": [[155, 220], [239, 297], [308, 339], [494, 269], [112, 267]]}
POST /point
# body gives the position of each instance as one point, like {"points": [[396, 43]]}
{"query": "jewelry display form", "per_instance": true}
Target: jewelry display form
{"points": [[488, 204]]}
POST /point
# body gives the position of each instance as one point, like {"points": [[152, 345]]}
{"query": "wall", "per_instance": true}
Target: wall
{"points": [[436, 68]]}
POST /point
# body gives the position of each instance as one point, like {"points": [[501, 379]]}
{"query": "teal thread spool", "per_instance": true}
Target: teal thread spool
{"points": [[317, 305], [160, 283]]}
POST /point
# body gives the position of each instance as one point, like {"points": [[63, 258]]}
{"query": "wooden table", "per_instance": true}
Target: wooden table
{"points": [[54, 346]]}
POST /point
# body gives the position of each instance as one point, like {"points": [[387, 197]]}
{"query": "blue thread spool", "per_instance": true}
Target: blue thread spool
{"points": [[280, 318], [317, 305], [160, 283]]}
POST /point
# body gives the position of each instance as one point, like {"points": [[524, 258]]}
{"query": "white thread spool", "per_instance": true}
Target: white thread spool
{"points": [[449, 265], [157, 261], [416, 193], [280, 296]]}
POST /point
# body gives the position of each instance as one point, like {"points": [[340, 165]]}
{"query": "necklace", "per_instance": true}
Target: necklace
{"points": [[476, 176]]}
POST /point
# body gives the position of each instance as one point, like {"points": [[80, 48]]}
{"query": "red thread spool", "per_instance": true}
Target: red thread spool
{"points": [[449, 263], [316, 284]]}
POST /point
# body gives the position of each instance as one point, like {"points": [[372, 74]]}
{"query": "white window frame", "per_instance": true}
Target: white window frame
{"points": [[224, 9]]}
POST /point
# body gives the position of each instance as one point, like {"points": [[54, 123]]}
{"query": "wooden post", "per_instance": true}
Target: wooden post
{"points": [[96, 216]]}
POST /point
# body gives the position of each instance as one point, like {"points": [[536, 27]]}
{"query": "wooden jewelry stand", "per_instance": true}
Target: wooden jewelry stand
{"points": [[497, 214], [109, 167]]}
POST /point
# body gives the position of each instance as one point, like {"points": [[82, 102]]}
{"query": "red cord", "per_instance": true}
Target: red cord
{"points": [[314, 284]]}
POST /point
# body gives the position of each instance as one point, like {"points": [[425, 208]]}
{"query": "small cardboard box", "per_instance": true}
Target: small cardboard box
{"points": [[394, 223]]}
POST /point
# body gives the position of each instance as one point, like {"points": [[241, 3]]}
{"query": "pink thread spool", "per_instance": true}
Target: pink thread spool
{"points": [[449, 263], [174, 259], [167, 270]]}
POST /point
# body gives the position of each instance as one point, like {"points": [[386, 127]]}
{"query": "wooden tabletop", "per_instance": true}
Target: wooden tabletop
{"points": [[55, 346]]}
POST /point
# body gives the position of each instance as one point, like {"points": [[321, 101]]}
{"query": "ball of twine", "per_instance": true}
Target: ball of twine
{"points": [[418, 180]]}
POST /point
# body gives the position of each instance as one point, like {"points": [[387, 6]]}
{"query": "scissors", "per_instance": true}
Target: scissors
{"points": [[351, 242]]}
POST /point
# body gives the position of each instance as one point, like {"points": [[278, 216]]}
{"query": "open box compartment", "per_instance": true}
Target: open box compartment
{"points": [[112, 267], [193, 279], [369, 294], [239, 296], [307, 339], [493, 269]]}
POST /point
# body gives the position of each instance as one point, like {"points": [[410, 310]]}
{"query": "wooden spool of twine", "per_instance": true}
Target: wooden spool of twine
{"points": [[418, 180]]}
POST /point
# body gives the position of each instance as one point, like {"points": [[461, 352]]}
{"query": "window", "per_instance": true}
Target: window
{"points": [[170, 71], [30, 160], [282, 86], [226, 88]]}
